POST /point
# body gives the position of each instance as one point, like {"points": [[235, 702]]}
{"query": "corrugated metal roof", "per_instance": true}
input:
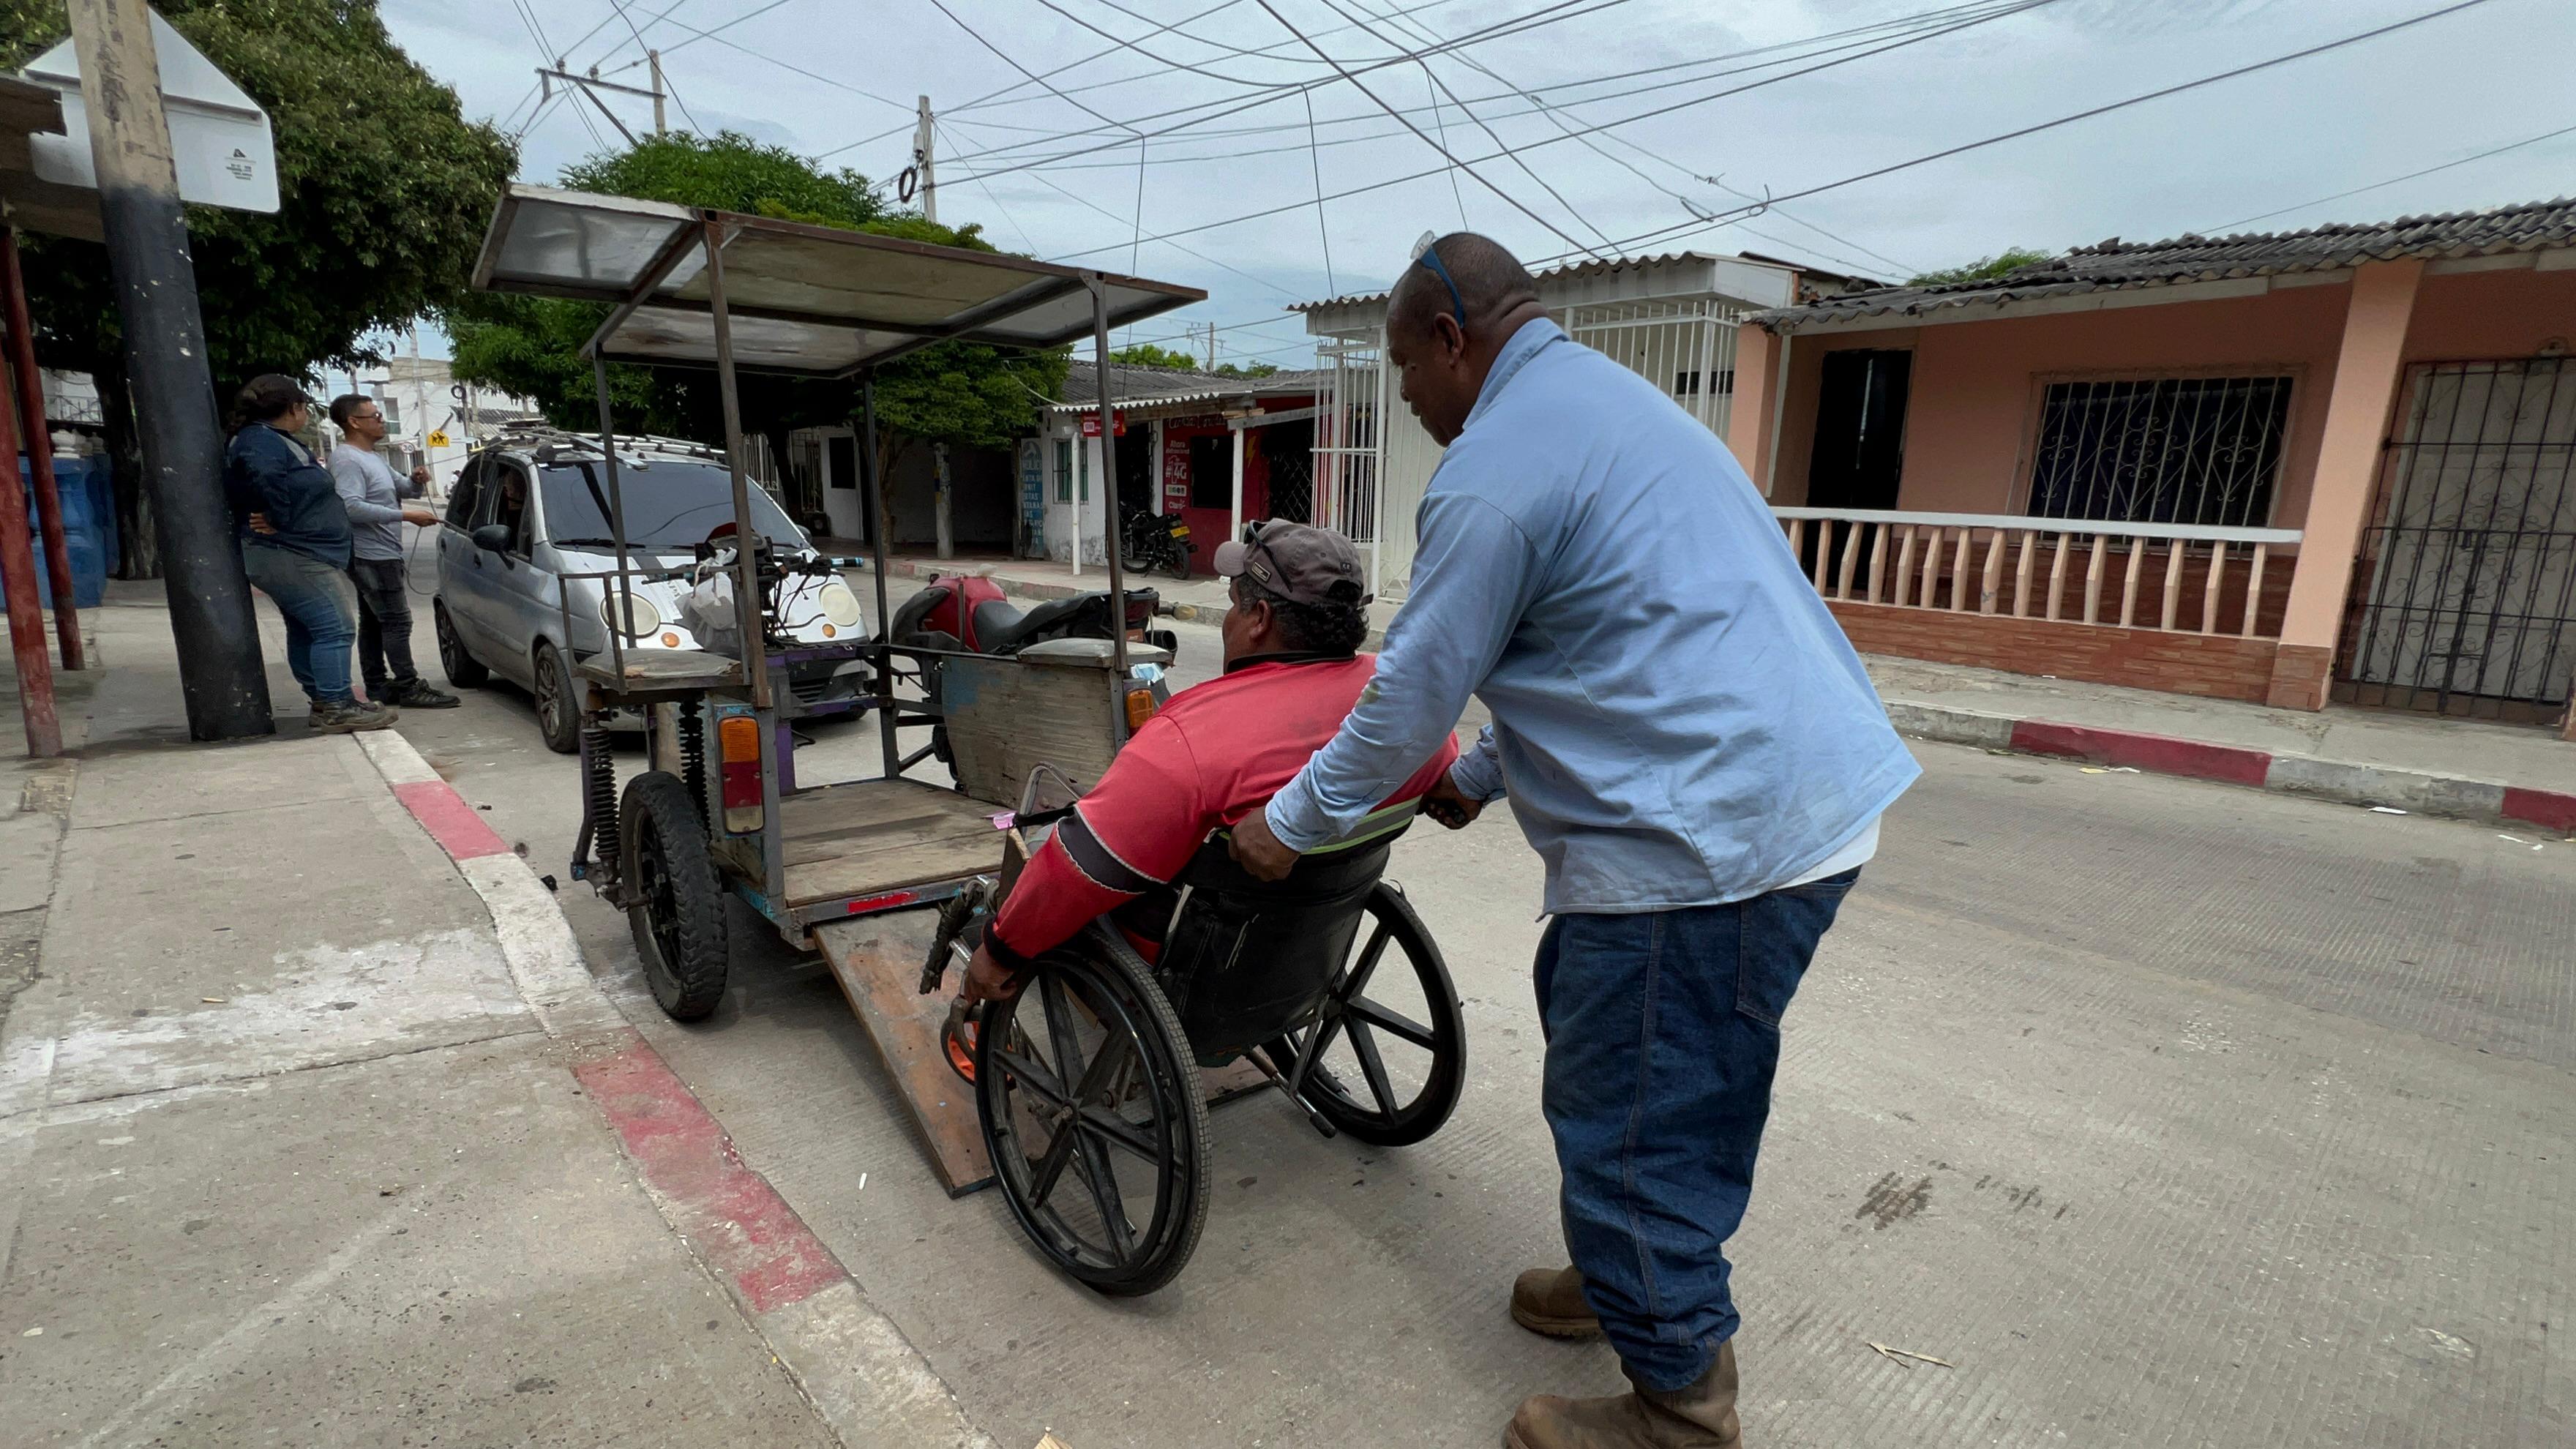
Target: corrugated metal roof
{"points": [[2116, 265], [1132, 386], [1571, 269]]}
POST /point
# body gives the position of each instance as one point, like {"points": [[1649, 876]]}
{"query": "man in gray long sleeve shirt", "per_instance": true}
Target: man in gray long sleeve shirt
{"points": [[1689, 742], [376, 519]]}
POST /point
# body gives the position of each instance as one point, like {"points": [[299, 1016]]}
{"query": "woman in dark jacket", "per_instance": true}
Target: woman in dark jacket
{"points": [[294, 535]]}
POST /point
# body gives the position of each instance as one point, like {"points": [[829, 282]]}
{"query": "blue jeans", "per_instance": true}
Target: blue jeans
{"points": [[1663, 1031], [321, 611]]}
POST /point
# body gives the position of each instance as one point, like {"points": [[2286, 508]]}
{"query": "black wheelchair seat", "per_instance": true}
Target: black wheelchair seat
{"points": [[1246, 959]]}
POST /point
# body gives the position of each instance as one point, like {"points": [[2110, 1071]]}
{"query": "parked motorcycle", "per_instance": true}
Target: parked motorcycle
{"points": [[964, 612], [1149, 541]]}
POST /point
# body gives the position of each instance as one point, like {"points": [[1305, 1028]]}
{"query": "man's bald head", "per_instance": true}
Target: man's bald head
{"points": [[1492, 284]]}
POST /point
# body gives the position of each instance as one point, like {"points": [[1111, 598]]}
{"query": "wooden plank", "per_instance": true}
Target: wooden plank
{"points": [[1904, 566], [1824, 553], [1797, 537], [1959, 575], [2173, 584], [1851, 559], [2023, 559], [877, 960], [2214, 666], [2253, 589], [1931, 568], [875, 802], [2093, 579], [2129, 586], [1006, 718], [873, 872], [1877, 558], [2209, 592], [2057, 575], [871, 840], [1992, 592]]}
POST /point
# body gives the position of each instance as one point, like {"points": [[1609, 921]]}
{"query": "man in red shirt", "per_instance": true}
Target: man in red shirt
{"points": [[1216, 752]]}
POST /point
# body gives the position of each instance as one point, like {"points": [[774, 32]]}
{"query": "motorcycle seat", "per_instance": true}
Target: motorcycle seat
{"points": [[1001, 628]]}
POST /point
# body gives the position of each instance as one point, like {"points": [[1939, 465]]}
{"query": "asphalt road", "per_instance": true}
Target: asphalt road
{"points": [[2160, 1113]]}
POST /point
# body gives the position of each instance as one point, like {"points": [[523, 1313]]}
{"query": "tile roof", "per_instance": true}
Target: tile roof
{"points": [[2116, 265], [1134, 386]]}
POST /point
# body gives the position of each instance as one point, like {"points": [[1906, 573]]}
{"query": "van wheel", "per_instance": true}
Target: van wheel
{"points": [[558, 717], [461, 669]]}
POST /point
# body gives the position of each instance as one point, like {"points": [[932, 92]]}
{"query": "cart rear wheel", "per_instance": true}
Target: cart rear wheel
{"points": [[460, 666], [1387, 1055], [676, 903], [1093, 1116], [558, 717]]}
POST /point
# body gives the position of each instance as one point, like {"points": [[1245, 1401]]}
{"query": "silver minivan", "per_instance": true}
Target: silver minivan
{"points": [[529, 515]]}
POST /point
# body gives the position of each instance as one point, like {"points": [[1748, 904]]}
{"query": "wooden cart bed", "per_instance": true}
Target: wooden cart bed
{"points": [[871, 836]]}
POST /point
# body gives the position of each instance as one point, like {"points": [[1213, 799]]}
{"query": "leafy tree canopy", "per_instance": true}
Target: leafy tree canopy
{"points": [[1146, 354], [1258, 369], [1984, 268], [953, 393]]}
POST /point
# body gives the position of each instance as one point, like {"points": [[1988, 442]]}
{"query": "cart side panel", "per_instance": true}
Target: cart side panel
{"points": [[1006, 717]]}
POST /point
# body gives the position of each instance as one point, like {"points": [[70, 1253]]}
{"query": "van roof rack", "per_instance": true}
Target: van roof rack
{"points": [[546, 442]]}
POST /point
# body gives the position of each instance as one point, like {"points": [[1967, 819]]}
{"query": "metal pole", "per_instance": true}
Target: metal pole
{"points": [[1234, 525], [654, 59], [616, 528], [1109, 478], [867, 451], [40, 449], [746, 586], [26, 616], [165, 365]]}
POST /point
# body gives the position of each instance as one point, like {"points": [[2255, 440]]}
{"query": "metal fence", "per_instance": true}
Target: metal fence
{"points": [[1686, 348]]}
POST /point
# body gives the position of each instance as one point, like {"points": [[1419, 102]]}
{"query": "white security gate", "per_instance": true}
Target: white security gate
{"points": [[1686, 348]]}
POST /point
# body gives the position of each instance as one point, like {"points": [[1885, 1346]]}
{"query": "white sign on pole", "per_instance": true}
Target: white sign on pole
{"points": [[218, 136]]}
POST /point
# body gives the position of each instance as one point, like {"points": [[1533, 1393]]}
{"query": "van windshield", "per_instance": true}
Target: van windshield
{"points": [[671, 503]]}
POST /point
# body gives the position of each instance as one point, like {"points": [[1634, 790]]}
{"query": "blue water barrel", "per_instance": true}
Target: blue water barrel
{"points": [[89, 526]]}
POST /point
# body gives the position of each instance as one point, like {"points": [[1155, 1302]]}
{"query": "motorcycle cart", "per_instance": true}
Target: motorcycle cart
{"points": [[718, 810]]}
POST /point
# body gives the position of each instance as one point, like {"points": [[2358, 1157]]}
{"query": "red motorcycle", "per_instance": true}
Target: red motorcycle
{"points": [[968, 612]]}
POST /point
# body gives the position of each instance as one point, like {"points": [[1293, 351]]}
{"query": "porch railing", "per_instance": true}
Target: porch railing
{"points": [[2190, 578]]}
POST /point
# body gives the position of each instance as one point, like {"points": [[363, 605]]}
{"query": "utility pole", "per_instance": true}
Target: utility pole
{"points": [[591, 85], [921, 160], [654, 58], [420, 401], [148, 263]]}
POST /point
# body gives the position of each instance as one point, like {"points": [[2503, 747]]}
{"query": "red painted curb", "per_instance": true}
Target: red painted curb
{"points": [[2540, 807], [738, 1222], [456, 826], [2161, 754]]}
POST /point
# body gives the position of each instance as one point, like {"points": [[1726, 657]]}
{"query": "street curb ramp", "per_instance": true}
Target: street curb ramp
{"points": [[852, 1363]]}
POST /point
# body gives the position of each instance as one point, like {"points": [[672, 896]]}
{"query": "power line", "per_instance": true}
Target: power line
{"points": [[2065, 120], [1314, 161], [696, 35], [978, 36], [2393, 180], [618, 12], [664, 78], [1161, 60]]}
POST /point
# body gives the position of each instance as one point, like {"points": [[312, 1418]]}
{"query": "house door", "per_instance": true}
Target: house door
{"points": [[1859, 451], [841, 492], [2471, 604]]}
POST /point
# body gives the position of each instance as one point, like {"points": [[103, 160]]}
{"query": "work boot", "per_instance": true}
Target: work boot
{"points": [[1550, 1301], [1701, 1416], [346, 716], [418, 693]]}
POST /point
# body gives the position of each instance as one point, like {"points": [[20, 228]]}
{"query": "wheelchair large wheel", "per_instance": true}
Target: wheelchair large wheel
{"points": [[1092, 1114], [1386, 1056]]}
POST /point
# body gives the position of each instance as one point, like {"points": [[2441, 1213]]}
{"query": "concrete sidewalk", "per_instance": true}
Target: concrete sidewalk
{"points": [[2511, 774], [315, 1129]]}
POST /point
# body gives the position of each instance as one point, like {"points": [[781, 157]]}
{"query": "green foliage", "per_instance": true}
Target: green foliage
{"points": [[1146, 354], [1258, 369], [1984, 268], [953, 393], [384, 192]]}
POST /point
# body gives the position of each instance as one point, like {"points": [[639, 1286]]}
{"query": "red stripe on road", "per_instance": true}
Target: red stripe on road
{"points": [[455, 825], [2160, 754], [744, 1229], [2540, 807]]}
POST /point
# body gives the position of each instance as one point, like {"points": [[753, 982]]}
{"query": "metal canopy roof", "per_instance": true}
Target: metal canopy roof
{"points": [[807, 300]]}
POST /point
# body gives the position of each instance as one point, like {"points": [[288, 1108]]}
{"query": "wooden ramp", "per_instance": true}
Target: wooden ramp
{"points": [[877, 960]]}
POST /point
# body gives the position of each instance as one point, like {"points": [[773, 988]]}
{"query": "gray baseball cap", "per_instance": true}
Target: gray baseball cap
{"points": [[1298, 563]]}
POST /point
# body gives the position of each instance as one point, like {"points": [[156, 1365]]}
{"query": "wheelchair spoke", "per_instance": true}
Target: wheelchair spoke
{"points": [[1397, 1022], [1310, 1053], [1364, 1046], [1119, 1132], [1105, 1197], [1035, 1078], [1356, 980], [1050, 1168]]}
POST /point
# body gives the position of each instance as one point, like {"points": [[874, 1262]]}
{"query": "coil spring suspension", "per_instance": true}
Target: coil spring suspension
{"points": [[601, 763], [693, 755]]}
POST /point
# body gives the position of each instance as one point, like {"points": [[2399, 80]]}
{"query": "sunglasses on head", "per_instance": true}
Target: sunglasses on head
{"points": [[1458, 307]]}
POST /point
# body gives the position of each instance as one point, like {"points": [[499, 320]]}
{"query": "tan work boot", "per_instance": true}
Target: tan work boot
{"points": [[1550, 1301], [1701, 1416]]}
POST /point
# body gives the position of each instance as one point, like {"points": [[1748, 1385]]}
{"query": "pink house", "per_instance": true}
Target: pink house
{"points": [[2334, 464]]}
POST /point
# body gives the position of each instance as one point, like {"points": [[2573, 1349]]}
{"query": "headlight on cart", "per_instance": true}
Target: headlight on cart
{"points": [[840, 606], [647, 617]]}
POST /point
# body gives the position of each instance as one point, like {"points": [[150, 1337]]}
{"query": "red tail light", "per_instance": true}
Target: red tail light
{"points": [[738, 747]]}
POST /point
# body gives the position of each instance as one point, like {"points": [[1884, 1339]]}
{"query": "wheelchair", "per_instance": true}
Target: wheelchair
{"points": [[1088, 1083]]}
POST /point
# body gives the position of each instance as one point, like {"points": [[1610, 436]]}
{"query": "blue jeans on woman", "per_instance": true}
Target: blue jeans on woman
{"points": [[1663, 1031], [320, 607]]}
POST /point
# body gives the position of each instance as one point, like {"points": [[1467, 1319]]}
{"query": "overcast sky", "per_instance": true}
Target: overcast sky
{"points": [[2490, 76]]}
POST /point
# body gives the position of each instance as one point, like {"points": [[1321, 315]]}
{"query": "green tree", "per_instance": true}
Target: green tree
{"points": [[1984, 268], [1258, 369], [955, 393], [1146, 354], [384, 190]]}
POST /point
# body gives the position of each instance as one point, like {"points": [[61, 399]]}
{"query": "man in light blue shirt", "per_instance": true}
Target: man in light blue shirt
{"points": [[1687, 739]]}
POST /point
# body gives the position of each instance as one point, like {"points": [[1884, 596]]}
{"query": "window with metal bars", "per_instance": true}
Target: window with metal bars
{"points": [[2200, 450]]}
